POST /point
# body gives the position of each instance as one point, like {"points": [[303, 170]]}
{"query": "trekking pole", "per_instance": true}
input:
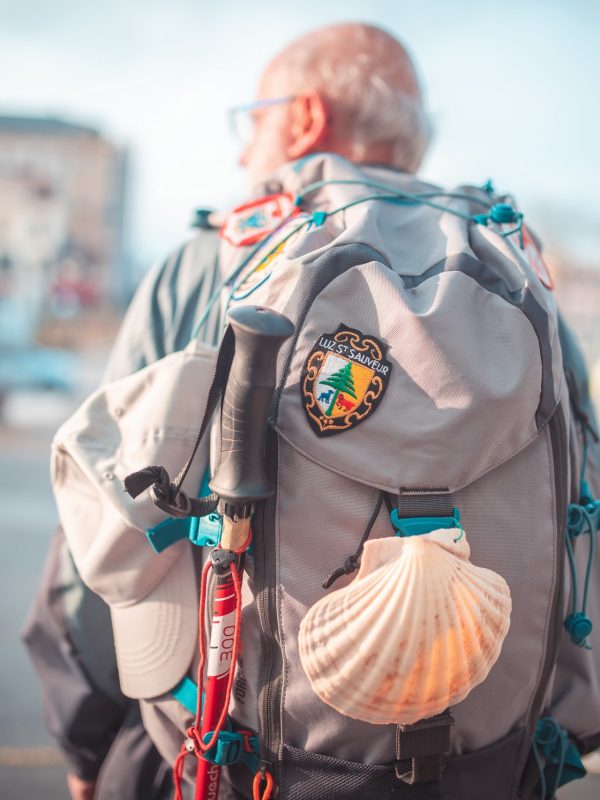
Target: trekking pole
{"points": [[240, 481]]}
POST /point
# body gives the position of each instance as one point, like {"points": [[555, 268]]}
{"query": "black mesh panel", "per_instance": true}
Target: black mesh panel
{"points": [[310, 776]]}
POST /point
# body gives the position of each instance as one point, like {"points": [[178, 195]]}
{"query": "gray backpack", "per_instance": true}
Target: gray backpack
{"points": [[464, 405], [429, 384]]}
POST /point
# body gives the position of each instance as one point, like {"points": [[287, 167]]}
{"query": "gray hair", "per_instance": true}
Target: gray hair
{"points": [[360, 87]]}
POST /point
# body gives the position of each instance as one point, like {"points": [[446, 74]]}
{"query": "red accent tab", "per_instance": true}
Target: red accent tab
{"points": [[536, 262], [254, 221]]}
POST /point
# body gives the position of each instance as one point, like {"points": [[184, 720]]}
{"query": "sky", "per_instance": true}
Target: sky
{"points": [[512, 88]]}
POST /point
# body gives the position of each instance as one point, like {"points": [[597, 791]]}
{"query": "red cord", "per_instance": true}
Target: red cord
{"points": [[193, 733], [202, 640], [258, 779], [178, 772]]}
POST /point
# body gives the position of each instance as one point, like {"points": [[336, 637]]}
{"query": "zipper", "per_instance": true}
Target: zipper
{"points": [[558, 441], [265, 566]]}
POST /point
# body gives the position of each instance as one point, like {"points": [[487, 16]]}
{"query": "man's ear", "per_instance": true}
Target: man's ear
{"points": [[309, 124]]}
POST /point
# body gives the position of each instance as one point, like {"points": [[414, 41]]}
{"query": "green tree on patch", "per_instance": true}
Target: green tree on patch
{"points": [[341, 381]]}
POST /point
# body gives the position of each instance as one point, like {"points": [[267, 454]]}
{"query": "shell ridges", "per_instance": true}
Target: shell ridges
{"points": [[418, 628]]}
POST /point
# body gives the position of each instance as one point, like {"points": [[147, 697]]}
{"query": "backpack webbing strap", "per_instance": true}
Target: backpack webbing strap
{"points": [[438, 503], [424, 743], [167, 494]]}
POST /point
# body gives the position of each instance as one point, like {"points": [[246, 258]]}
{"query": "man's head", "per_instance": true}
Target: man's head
{"points": [[353, 90]]}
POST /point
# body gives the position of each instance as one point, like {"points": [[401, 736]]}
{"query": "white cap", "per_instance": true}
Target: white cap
{"points": [[151, 417]]}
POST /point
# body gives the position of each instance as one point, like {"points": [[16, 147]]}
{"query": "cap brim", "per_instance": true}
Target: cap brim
{"points": [[155, 639]]}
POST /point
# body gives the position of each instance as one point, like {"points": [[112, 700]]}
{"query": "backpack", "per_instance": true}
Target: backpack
{"points": [[476, 416], [425, 385]]}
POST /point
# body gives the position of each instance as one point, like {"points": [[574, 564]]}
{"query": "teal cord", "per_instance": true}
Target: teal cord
{"points": [[243, 278], [572, 566], [462, 533], [540, 768], [233, 275], [579, 522], [548, 734], [519, 230], [582, 478], [592, 551], [418, 199], [394, 196]]}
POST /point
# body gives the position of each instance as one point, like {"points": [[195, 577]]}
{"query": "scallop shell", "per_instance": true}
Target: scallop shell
{"points": [[417, 629]]}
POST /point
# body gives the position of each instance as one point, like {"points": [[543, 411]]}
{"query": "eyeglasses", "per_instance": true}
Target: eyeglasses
{"points": [[241, 118]]}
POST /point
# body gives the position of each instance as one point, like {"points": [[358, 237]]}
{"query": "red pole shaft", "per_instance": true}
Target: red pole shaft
{"points": [[219, 665]]}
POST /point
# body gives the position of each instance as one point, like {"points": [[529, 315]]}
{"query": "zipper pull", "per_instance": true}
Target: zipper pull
{"points": [[262, 776]]}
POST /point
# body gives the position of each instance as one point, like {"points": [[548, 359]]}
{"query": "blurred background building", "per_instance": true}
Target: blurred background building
{"points": [[62, 189]]}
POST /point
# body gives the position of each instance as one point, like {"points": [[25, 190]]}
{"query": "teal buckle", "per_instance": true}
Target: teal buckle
{"points": [[201, 531], [318, 218], [416, 526], [232, 747]]}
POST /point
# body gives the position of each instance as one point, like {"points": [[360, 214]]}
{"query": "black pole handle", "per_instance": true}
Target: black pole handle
{"points": [[240, 478]]}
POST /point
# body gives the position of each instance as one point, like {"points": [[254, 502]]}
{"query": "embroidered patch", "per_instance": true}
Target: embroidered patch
{"points": [[262, 265], [343, 380], [250, 223]]}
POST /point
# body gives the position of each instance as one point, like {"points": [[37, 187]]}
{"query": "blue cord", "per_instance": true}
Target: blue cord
{"points": [[236, 272], [580, 520], [500, 213], [548, 734]]}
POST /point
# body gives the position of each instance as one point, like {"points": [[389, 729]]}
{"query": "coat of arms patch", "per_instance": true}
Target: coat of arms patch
{"points": [[343, 380]]}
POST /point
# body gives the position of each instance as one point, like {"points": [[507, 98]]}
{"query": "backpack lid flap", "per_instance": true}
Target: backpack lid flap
{"points": [[418, 387]]}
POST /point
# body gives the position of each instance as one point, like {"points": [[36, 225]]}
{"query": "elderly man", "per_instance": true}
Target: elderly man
{"points": [[347, 90]]}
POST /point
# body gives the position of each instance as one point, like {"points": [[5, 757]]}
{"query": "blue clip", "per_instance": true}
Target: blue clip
{"points": [[416, 526], [230, 748], [318, 218], [201, 531]]}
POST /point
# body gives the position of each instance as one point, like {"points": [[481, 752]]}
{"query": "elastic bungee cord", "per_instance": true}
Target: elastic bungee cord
{"points": [[578, 624], [236, 272], [500, 213], [582, 518], [548, 734]]}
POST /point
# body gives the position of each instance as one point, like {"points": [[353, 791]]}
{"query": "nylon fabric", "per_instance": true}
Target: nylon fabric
{"points": [[454, 375], [522, 523], [314, 538], [496, 532]]}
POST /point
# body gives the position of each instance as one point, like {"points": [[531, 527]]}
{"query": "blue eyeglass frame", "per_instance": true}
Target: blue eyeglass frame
{"points": [[246, 108], [268, 101]]}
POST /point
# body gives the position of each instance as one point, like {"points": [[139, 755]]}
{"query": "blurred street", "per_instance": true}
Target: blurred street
{"points": [[30, 766]]}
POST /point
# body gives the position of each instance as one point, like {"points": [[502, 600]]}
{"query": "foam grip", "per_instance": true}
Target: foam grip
{"points": [[259, 333]]}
